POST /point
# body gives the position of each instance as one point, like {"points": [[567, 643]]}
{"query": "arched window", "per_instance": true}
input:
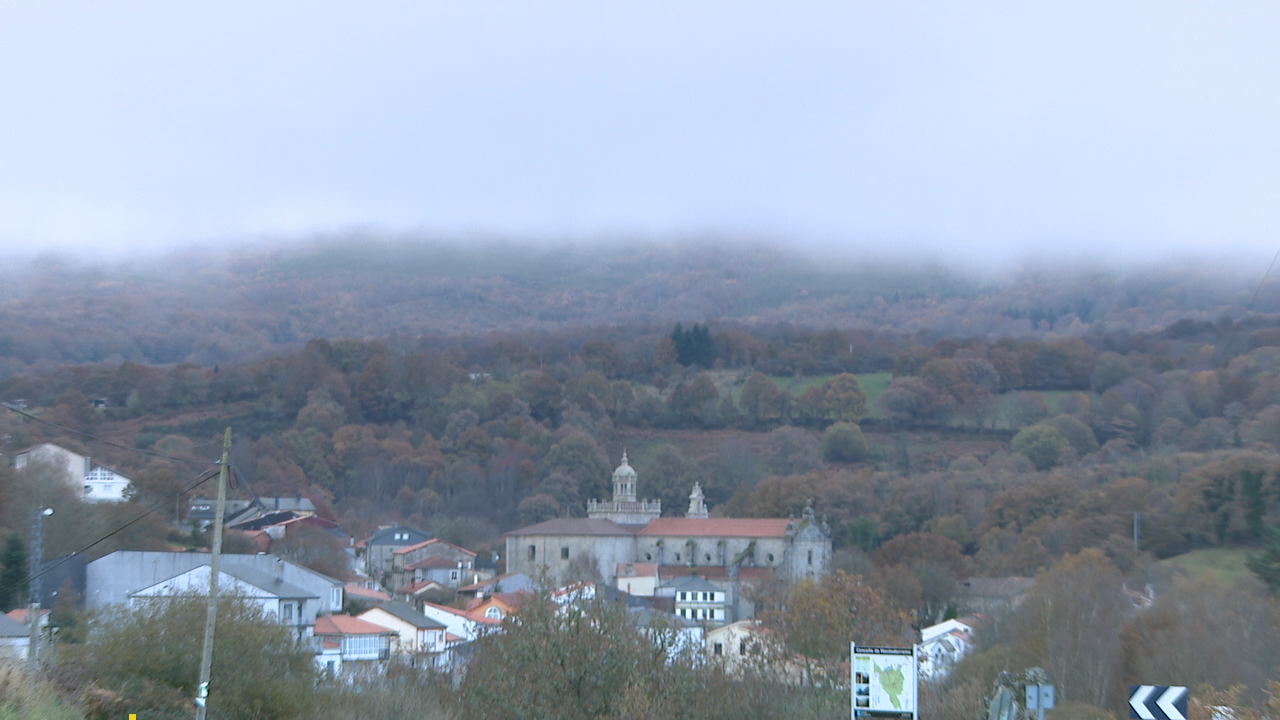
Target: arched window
{"points": [[493, 612]]}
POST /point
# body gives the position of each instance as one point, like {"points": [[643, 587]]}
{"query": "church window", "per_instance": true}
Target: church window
{"points": [[533, 552], [719, 648], [648, 557], [810, 557], [677, 557], [770, 557], [564, 553], [708, 557], [742, 647]]}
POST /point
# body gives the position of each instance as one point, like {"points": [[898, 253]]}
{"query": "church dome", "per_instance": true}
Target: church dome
{"points": [[624, 470]]}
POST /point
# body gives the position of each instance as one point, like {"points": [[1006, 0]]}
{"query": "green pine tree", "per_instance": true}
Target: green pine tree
{"points": [[1266, 565], [13, 578]]}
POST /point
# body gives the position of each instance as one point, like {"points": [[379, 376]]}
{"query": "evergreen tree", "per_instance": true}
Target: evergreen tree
{"points": [[693, 346], [13, 578], [1267, 564]]}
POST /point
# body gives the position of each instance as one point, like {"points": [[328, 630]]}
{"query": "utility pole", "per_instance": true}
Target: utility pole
{"points": [[215, 562], [33, 587]]}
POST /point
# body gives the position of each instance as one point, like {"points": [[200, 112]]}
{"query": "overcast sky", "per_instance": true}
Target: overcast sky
{"points": [[1125, 127]]}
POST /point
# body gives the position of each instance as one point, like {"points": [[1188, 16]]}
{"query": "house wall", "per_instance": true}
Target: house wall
{"points": [[13, 648], [638, 585], [110, 579], [72, 465]]}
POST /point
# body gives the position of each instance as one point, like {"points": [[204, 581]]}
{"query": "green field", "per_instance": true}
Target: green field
{"points": [[1221, 565]]}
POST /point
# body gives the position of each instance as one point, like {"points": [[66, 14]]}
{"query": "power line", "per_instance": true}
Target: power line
{"points": [[55, 564], [1264, 278], [104, 441]]}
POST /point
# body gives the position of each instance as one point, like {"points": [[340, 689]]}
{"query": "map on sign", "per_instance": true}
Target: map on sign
{"points": [[884, 682]]}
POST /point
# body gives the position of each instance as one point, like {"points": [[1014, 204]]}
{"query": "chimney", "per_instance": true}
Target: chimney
{"points": [[277, 502], [280, 569]]}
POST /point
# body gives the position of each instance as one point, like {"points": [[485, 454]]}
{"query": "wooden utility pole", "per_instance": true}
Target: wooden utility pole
{"points": [[33, 587], [215, 562]]}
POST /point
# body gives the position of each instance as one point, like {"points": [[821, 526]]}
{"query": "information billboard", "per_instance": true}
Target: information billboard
{"points": [[884, 682]]}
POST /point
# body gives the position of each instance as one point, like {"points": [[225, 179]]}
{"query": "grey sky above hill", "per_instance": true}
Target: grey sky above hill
{"points": [[1130, 129]]}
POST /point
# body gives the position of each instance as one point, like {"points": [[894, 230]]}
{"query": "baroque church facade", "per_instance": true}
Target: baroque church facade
{"points": [[634, 548]]}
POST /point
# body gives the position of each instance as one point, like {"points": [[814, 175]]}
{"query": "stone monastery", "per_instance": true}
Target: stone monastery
{"points": [[634, 548]]}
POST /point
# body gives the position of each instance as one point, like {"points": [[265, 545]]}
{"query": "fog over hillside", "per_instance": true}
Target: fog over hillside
{"points": [[206, 306]]}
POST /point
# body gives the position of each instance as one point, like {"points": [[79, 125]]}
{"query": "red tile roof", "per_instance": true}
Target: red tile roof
{"points": [[485, 583], [20, 614], [435, 562], [412, 588], [465, 614], [347, 625], [432, 541], [717, 527], [637, 569], [365, 593]]}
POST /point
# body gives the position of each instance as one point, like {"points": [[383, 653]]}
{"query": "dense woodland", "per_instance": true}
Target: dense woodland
{"points": [[945, 428]]}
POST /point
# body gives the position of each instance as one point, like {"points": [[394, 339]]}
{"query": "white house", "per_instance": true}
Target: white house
{"points": [[943, 645], [290, 604], [419, 639], [110, 579], [359, 641], [95, 483], [462, 625], [696, 599]]}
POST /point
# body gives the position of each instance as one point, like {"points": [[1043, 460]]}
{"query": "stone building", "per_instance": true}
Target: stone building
{"points": [[626, 533]]}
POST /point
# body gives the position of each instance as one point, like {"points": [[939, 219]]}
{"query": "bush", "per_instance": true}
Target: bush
{"points": [[148, 658], [1041, 444], [843, 442]]}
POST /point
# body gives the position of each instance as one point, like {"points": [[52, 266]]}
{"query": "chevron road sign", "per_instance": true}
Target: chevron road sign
{"points": [[1157, 702]]}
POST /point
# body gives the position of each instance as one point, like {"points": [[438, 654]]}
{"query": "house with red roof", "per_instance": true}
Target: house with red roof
{"points": [[358, 640], [433, 559], [626, 541]]}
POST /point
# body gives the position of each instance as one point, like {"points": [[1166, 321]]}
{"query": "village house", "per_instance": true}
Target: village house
{"points": [[433, 559], [697, 599], [111, 579], [94, 483], [460, 624], [358, 641], [509, 582], [945, 644], [291, 605], [419, 639], [378, 547]]}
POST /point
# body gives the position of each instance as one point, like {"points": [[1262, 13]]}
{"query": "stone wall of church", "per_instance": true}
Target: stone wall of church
{"points": [[558, 555]]}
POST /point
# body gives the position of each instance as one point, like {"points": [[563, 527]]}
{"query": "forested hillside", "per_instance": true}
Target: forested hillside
{"points": [[211, 308]]}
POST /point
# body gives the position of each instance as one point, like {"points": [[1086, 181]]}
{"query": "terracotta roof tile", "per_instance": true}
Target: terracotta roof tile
{"points": [[363, 592], [435, 562], [412, 588], [432, 541], [637, 569], [347, 625]]}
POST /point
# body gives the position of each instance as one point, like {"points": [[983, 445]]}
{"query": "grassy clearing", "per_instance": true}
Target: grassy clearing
{"points": [[1220, 565]]}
